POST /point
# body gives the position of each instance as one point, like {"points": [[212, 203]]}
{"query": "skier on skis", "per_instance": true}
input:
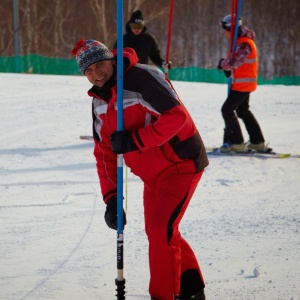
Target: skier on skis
{"points": [[242, 66], [162, 146]]}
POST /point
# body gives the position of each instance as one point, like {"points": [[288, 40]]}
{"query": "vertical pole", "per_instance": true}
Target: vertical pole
{"points": [[120, 281], [16, 35], [236, 6], [236, 28], [232, 24], [169, 34], [233, 4]]}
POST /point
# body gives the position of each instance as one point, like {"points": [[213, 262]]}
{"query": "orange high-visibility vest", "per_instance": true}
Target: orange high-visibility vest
{"points": [[245, 76]]}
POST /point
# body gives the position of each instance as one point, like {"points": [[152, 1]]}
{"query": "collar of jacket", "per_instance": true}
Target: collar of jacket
{"points": [[105, 91]]}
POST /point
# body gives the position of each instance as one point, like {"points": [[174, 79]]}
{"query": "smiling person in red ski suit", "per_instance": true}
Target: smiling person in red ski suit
{"points": [[162, 146], [242, 66]]}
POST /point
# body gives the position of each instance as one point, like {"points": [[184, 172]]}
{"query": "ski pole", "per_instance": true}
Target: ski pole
{"points": [[120, 280]]}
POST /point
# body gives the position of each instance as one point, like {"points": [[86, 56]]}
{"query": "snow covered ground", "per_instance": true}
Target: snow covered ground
{"points": [[54, 243]]}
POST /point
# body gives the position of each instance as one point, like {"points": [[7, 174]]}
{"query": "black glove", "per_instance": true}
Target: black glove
{"points": [[122, 142], [227, 73], [219, 67], [167, 65], [110, 215]]}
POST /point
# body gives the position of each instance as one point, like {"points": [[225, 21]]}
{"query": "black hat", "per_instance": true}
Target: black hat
{"points": [[137, 17]]}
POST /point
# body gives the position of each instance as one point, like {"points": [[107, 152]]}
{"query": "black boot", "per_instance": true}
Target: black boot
{"points": [[176, 298], [198, 296]]}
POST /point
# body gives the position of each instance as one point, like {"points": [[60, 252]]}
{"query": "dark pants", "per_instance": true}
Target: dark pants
{"points": [[237, 105]]}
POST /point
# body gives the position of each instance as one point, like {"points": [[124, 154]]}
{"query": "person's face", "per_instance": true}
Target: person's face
{"points": [[100, 72], [136, 28], [136, 31]]}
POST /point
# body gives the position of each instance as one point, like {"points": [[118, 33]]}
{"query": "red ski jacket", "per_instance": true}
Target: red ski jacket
{"points": [[162, 129]]}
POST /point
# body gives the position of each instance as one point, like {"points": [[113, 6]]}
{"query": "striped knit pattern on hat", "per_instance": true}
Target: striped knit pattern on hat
{"points": [[88, 52]]}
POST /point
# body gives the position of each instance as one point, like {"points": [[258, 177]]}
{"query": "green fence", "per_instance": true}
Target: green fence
{"points": [[36, 64]]}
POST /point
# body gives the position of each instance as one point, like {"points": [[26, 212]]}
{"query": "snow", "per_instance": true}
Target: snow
{"points": [[243, 221]]}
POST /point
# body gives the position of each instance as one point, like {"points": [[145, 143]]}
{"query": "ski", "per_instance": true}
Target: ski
{"points": [[86, 137], [217, 151], [137, 296], [250, 153]]}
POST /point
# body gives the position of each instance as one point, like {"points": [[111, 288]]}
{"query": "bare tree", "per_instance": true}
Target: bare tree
{"points": [[50, 28]]}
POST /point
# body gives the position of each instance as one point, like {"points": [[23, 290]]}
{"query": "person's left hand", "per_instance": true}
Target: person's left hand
{"points": [[110, 216], [167, 65], [227, 73], [122, 142]]}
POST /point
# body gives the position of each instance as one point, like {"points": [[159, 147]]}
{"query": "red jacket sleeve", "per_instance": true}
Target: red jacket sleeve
{"points": [[162, 130], [106, 162]]}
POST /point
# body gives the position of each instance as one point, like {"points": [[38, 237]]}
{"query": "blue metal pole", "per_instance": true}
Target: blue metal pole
{"points": [[120, 281], [120, 107], [236, 29]]}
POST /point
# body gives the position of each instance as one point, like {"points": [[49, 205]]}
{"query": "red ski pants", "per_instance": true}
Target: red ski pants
{"points": [[174, 268]]}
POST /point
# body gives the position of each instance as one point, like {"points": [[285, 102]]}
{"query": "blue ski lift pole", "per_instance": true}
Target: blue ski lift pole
{"points": [[236, 29], [120, 280]]}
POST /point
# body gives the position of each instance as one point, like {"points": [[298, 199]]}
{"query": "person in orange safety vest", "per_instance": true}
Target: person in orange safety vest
{"points": [[242, 66]]}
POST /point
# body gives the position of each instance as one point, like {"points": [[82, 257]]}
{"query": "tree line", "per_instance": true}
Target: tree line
{"points": [[50, 28]]}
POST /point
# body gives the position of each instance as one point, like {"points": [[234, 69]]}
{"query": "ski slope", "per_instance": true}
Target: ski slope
{"points": [[55, 244]]}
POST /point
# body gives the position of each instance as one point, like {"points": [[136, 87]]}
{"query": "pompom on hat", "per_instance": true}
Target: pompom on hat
{"points": [[88, 52]]}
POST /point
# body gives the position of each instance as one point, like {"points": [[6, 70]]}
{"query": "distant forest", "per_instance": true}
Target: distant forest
{"points": [[50, 28]]}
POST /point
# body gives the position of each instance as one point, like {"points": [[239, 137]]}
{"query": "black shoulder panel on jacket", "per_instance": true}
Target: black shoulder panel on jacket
{"points": [[150, 83]]}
